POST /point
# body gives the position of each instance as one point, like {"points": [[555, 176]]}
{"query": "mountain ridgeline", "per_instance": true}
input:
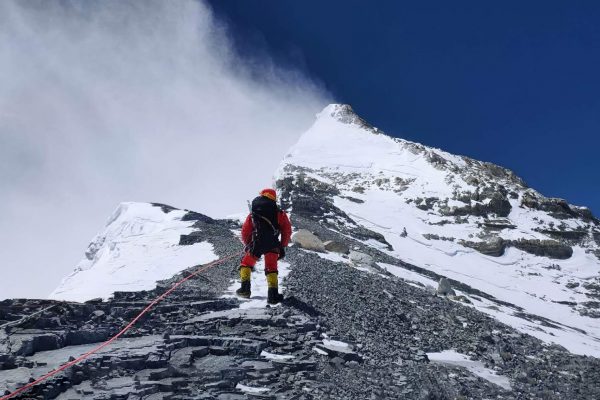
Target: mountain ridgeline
{"points": [[413, 273]]}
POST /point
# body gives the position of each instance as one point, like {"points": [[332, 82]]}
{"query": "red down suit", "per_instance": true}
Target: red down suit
{"points": [[261, 234]]}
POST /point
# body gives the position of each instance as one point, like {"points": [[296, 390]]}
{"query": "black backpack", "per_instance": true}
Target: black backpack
{"points": [[264, 214]]}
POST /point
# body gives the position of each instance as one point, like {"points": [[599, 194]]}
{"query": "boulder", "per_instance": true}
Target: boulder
{"points": [[337, 247], [307, 240], [444, 288], [360, 258]]}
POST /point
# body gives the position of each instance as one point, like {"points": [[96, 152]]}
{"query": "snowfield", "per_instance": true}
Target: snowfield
{"points": [[138, 247]]}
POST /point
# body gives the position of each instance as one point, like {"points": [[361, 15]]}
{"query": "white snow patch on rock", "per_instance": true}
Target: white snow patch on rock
{"points": [[337, 345], [250, 389], [273, 356], [451, 357]]}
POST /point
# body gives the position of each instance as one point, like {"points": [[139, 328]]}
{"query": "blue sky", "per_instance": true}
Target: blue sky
{"points": [[514, 83]]}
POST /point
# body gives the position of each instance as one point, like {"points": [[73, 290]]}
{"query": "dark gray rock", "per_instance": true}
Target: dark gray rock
{"points": [[499, 205], [545, 248], [164, 207], [445, 288], [557, 208], [194, 216], [568, 236], [494, 246], [337, 247], [431, 236]]}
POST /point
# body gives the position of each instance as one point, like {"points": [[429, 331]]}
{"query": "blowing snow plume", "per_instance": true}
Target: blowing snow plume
{"points": [[103, 102]]}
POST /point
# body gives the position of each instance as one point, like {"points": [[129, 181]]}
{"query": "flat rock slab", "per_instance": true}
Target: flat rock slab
{"points": [[45, 361]]}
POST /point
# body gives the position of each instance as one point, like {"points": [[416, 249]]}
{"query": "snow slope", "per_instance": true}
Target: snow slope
{"points": [[448, 206], [138, 247]]}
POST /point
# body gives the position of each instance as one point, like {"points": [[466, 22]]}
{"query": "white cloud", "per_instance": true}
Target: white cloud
{"points": [[103, 102]]}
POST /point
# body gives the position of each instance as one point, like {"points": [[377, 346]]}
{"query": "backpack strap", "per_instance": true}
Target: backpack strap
{"points": [[268, 222]]}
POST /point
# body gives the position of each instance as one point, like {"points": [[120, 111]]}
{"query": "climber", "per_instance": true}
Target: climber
{"points": [[260, 233]]}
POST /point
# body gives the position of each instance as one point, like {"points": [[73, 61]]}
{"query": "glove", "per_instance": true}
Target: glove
{"points": [[281, 252]]}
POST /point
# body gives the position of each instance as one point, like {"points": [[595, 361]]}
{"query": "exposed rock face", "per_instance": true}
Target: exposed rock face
{"points": [[494, 246], [498, 205], [307, 240], [313, 199], [568, 236], [545, 248], [558, 208], [346, 115]]}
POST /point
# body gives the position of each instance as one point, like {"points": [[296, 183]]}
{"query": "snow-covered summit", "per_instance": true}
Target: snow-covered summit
{"points": [[138, 246], [472, 221]]}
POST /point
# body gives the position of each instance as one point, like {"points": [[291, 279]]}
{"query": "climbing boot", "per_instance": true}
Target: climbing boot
{"points": [[244, 290], [273, 295]]}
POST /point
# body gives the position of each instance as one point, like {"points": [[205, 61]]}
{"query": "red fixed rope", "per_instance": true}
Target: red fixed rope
{"points": [[125, 329]]}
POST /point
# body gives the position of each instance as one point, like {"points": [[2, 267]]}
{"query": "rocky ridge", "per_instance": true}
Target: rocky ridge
{"points": [[344, 330]]}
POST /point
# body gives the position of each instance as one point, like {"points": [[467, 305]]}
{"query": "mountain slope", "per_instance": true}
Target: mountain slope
{"points": [[362, 323], [138, 247], [536, 258], [342, 332]]}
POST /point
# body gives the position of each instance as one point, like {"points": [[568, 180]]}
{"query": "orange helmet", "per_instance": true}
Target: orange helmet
{"points": [[269, 194]]}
